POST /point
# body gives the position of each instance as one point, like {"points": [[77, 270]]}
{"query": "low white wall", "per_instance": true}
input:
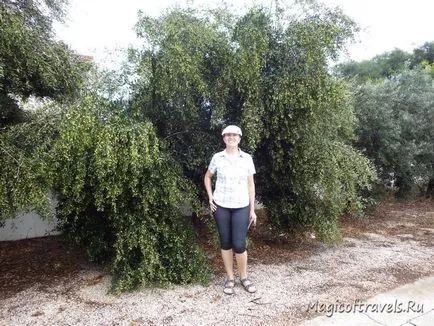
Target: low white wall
{"points": [[28, 225]]}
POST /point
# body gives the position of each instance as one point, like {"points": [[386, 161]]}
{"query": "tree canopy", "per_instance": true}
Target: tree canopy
{"points": [[424, 53], [124, 169], [32, 63], [201, 72], [387, 64], [396, 128], [121, 196], [394, 107]]}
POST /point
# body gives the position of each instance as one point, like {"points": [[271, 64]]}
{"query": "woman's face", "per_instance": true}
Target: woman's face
{"points": [[231, 140]]}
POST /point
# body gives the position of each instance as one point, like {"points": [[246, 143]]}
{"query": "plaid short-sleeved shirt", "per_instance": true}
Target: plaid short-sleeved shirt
{"points": [[231, 189]]}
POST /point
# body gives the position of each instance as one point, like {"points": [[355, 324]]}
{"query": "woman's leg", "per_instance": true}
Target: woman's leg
{"points": [[228, 262], [222, 217], [240, 223], [242, 264]]}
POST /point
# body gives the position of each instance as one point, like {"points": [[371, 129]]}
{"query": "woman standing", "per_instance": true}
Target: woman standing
{"points": [[233, 204]]}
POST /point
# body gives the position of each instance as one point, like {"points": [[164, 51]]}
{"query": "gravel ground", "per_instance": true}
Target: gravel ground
{"points": [[363, 265]]}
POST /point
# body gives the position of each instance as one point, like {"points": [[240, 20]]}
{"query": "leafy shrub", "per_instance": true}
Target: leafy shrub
{"points": [[270, 75], [25, 178], [395, 128], [121, 194]]}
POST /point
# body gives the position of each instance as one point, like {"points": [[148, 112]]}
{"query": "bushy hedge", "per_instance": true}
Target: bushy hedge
{"points": [[120, 193], [25, 176], [121, 196], [396, 129]]}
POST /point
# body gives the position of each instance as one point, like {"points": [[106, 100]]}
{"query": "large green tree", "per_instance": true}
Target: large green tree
{"points": [[120, 192], [121, 195], [32, 62], [396, 128], [381, 66], [184, 84], [387, 64], [201, 71], [393, 104], [119, 167], [424, 53], [310, 174]]}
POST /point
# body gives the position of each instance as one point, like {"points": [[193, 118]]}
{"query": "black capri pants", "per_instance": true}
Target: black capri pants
{"points": [[232, 225]]}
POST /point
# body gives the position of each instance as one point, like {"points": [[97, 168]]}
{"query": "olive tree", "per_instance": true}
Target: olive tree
{"points": [[184, 82], [396, 129], [269, 74], [121, 196], [120, 193], [32, 62]]}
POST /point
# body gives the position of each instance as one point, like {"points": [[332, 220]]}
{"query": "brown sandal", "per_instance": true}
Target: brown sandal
{"points": [[248, 285]]}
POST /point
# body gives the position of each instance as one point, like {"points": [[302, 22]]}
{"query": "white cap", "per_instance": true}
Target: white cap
{"points": [[232, 130]]}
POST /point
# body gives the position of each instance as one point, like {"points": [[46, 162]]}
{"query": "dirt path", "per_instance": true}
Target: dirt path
{"points": [[48, 286]]}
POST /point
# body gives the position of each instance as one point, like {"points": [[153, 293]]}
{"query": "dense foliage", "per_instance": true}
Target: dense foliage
{"points": [[31, 61], [423, 54], [200, 72], [387, 64], [32, 65], [394, 105], [309, 173], [24, 171], [124, 169], [121, 195], [184, 80], [119, 192], [396, 128]]}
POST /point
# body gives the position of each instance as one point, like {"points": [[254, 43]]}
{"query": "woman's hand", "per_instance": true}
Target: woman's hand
{"points": [[252, 219], [207, 182], [212, 205]]}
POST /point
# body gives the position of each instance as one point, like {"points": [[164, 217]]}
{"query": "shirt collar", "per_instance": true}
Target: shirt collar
{"points": [[240, 153]]}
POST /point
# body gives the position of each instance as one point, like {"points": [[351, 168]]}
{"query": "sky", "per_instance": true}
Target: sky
{"points": [[97, 27]]}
